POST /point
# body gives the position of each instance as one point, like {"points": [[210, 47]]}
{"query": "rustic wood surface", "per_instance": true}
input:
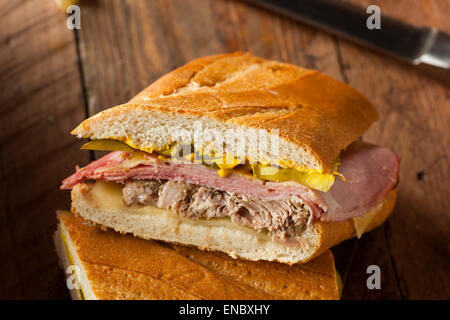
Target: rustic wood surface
{"points": [[51, 78]]}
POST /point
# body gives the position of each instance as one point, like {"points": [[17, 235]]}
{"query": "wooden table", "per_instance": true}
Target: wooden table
{"points": [[52, 78]]}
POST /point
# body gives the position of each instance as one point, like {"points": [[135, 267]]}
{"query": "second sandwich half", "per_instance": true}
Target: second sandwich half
{"points": [[255, 158]]}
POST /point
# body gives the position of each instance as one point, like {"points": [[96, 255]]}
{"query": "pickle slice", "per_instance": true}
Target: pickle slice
{"points": [[318, 181], [107, 145], [167, 152]]}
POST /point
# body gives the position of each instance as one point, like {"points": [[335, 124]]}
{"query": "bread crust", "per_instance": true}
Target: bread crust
{"points": [[333, 233], [126, 267], [309, 109]]}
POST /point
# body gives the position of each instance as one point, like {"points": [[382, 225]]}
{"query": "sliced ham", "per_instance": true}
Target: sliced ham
{"points": [[371, 172], [123, 168]]}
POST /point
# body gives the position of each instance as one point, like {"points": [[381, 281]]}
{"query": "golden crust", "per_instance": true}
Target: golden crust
{"points": [[126, 267], [308, 108]]}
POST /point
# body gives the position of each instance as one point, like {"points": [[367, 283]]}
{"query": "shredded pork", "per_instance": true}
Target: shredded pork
{"points": [[281, 218]]}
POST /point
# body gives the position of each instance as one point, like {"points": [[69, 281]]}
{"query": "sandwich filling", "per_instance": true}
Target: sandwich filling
{"points": [[281, 218], [225, 164], [283, 208]]}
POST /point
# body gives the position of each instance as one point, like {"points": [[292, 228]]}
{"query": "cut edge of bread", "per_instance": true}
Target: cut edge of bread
{"points": [[314, 116], [149, 130], [219, 234], [68, 257]]}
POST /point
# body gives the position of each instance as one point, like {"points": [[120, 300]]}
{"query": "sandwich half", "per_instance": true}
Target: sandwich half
{"points": [[255, 158], [106, 265]]}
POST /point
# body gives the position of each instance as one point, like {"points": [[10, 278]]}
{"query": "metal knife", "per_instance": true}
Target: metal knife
{"points": [[427, 49]]}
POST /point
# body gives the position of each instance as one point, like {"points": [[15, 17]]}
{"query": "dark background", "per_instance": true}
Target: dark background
{"points": [[51, 78]]}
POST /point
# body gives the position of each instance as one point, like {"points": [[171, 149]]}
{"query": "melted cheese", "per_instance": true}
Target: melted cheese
{"points": [[361, 223], [108, 195]]}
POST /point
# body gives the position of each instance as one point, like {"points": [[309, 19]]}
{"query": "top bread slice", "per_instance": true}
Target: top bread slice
{"points": [[315, 116]]}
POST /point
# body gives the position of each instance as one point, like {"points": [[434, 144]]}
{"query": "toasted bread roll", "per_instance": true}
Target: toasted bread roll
{"points": [[314, 116], [114, 266]]}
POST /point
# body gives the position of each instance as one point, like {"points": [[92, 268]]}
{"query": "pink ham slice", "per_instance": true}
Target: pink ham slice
{"points": [[371, 171], [112, 167]]}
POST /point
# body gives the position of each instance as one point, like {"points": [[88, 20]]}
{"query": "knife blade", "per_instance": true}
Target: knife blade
{"points": [[427, 49]]}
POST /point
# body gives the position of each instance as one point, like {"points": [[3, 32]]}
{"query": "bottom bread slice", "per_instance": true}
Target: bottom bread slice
{"points": [[109, 265], [102, 203]]}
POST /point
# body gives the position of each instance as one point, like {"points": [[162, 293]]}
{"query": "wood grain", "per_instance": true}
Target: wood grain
{"points": [[40, 99], [125, 45], [415, 120]]}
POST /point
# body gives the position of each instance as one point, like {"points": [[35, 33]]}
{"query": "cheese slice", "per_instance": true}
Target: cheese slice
{"points": [[108, 195], [361, 223]]}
